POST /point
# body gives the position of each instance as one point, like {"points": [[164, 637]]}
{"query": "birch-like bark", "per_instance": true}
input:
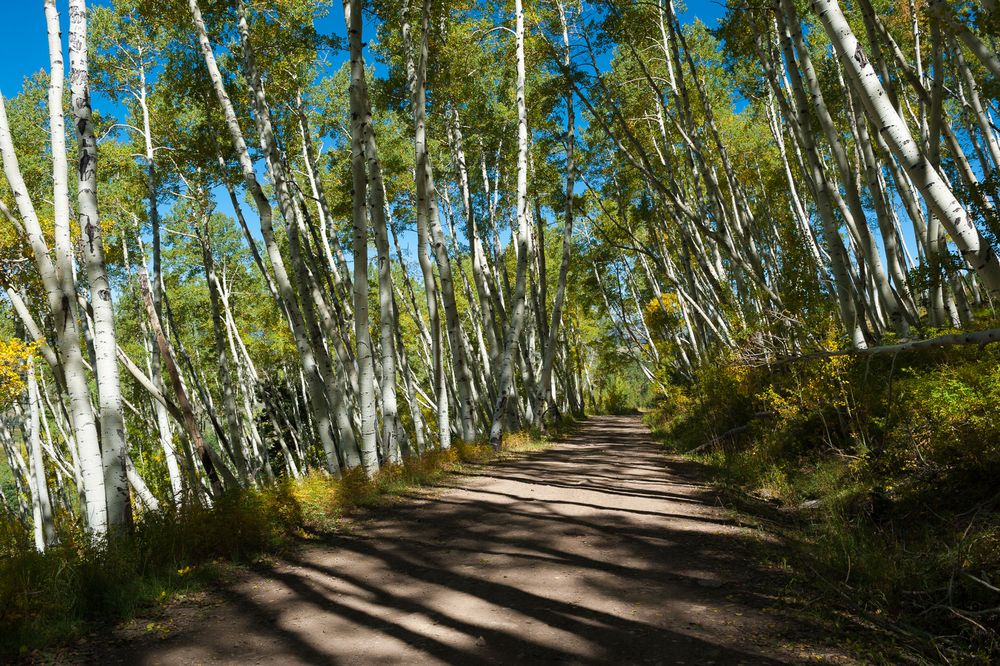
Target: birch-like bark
{"points": [[393, 435], [19, 473], [153, 384], [505, 378], [479, 267], [857, 219], [939, 197], [152, 185], [409, 384], [822, 189], [333, 254], [318, 402], [547, 398], [190, 424], [428, 200], [979, 114], [17, 301], [233, 424], [360, 125], [942, 10], [58, 279], [418, 102], [113, 451], [41, 505], [323, 382], [882, 207]]}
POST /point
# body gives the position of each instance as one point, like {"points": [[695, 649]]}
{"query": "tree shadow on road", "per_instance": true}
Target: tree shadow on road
{"points": [[587, 573]]}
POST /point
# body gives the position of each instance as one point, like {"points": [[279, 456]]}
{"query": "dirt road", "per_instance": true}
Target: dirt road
{"points": [[598, 550]]}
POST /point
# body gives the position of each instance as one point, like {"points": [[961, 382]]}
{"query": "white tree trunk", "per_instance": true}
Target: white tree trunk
{"points": [[941, 10], [939, 197], [233, 424], [505, 379], [360, 125], [318, 403], [547, 399], [58, 280], [41, 505], [105, 346]]}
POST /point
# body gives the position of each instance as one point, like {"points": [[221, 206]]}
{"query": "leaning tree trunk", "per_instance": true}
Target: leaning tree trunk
{"points": [[190, 424], [939, 197], [318, 403], [230, 412], [547, 397], [942, 10], [824, 190], [857, 220], [290, 211], [478, 256], [162, 422]]}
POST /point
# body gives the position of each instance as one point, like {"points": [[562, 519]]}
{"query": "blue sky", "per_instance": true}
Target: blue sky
{"points": [[709, 11], [23, 47]]}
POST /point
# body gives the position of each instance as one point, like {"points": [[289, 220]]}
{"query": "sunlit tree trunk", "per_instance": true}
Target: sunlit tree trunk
{"points": [[505, 371], [393, 435], [478, 258], [92, 244], [856, 219], [318, 402], [824, 192], [939, 197], [360, 125], [233, 425], [58, 279], [190, 423], [415, 75]]}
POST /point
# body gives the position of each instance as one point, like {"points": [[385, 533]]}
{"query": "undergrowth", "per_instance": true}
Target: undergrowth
{"points": [[49, 598], [883, 471]]}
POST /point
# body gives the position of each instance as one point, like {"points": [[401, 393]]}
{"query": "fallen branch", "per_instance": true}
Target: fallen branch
{"points": [[980, 338], [729, 433]]}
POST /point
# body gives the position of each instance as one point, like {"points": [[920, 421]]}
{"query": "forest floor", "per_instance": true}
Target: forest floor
{"points": [[600, 549]]}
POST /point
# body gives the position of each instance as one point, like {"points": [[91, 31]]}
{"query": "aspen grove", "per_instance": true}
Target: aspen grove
{"points": [[248, 243]]}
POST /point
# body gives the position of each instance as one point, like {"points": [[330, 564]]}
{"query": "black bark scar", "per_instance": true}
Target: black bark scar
{"points": [[859, 55]]}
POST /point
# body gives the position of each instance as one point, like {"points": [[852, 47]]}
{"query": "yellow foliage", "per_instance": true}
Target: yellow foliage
{"points": [[669, 301], [14, 357]]}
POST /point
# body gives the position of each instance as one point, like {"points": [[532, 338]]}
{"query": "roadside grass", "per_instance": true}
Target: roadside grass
{"points": [[878, 476], [48, 599]]}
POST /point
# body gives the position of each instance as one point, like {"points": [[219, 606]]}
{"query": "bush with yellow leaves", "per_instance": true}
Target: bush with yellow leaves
{"points": [[14, 358]]}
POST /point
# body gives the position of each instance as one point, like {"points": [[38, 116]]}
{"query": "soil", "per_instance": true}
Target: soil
{"points": [[600, 549]]}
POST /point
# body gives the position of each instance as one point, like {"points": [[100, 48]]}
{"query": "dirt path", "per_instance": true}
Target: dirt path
{"points": [[598, 550]]}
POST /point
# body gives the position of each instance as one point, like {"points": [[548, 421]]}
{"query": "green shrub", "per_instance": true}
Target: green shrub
{"points": [[889, 465]]}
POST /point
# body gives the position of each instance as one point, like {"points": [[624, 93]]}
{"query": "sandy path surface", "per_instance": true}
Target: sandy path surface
{"points": [[598, 550]]}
